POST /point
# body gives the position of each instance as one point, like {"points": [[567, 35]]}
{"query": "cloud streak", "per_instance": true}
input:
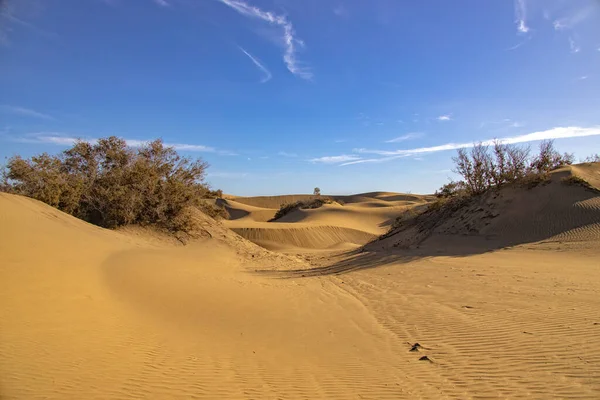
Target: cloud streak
{"points": [[291, 43], [408, 136], [521, 16], [267, 74], [65, 140], [25, 112], [335, 159], [387, 155], [554, 133], [447, 117]]}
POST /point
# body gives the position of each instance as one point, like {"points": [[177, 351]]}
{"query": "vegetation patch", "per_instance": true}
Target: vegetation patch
{"points": [[109, 184]]}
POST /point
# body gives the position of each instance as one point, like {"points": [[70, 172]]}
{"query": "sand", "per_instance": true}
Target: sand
{"points": [[501, 310]]}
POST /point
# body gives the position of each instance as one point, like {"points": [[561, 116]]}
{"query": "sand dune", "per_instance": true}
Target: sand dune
{"points": [[356, 220], [238, 210], [303, 235], [554, 211], [87, 313]]}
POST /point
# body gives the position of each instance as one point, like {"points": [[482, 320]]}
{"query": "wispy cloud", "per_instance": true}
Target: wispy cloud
{"points": [[334, 159], [25, 112], [518, 45], [446, 117], [68, 140], [521, 16], [286, 154], [162, 3], [575, 48], [341, 11], [408, 136], [267, 75], [290, 42], [554, 133], [575, 17]]}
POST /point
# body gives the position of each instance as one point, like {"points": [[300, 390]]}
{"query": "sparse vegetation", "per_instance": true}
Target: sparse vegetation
{"points": [[592, 159], [575, 180], [302, 205], [482, 170], [487, 167], [110, 184]]}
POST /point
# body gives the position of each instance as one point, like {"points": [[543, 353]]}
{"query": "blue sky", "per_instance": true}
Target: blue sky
{"points": [[280, 96]]}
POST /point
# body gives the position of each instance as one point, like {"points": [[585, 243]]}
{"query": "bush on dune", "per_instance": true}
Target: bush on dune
{"points": [[110, 184], [483, 169]]}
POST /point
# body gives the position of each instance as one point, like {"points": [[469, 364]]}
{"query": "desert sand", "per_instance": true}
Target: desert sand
{"points": [[501, 300]]}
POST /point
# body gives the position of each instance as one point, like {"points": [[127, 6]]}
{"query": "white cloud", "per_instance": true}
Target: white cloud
{"points": [[66, 140], [286, 154], [574, 46], [162, 3], [25, 112], [408, 136], [291, 43], [575, 17], [334, 159], [446, 117], [267, 73], [554, 133], [521, 16]]}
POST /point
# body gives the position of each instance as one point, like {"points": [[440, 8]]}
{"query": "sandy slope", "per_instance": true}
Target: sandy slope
{"points": [[357, 220], [87, 313], [94, 314]]}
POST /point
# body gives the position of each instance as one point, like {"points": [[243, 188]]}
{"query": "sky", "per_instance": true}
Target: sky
{"points": [[281, 96]]}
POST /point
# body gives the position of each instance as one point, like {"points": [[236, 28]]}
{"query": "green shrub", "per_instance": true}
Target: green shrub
{"points": [[109, 184]]}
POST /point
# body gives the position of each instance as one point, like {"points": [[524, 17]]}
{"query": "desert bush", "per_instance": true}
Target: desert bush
{"points": [[475, 168], [592, 159], [110, 184], [482, 170], [549, 159], [450, 189], [213, 211]]}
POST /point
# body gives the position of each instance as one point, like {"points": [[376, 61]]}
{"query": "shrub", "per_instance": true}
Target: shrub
{"points": [[549, 159], [110, 185], [592, 159], [482, 170], [450, 189]]}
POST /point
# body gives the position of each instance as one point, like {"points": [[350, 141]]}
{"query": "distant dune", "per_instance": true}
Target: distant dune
{"points": [[499, 299]]}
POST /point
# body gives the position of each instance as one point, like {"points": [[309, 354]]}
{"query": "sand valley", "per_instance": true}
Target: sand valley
{"points": [[501, 300]]}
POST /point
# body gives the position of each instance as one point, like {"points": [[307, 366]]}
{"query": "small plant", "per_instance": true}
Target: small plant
{"points": [[317, 192]]}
